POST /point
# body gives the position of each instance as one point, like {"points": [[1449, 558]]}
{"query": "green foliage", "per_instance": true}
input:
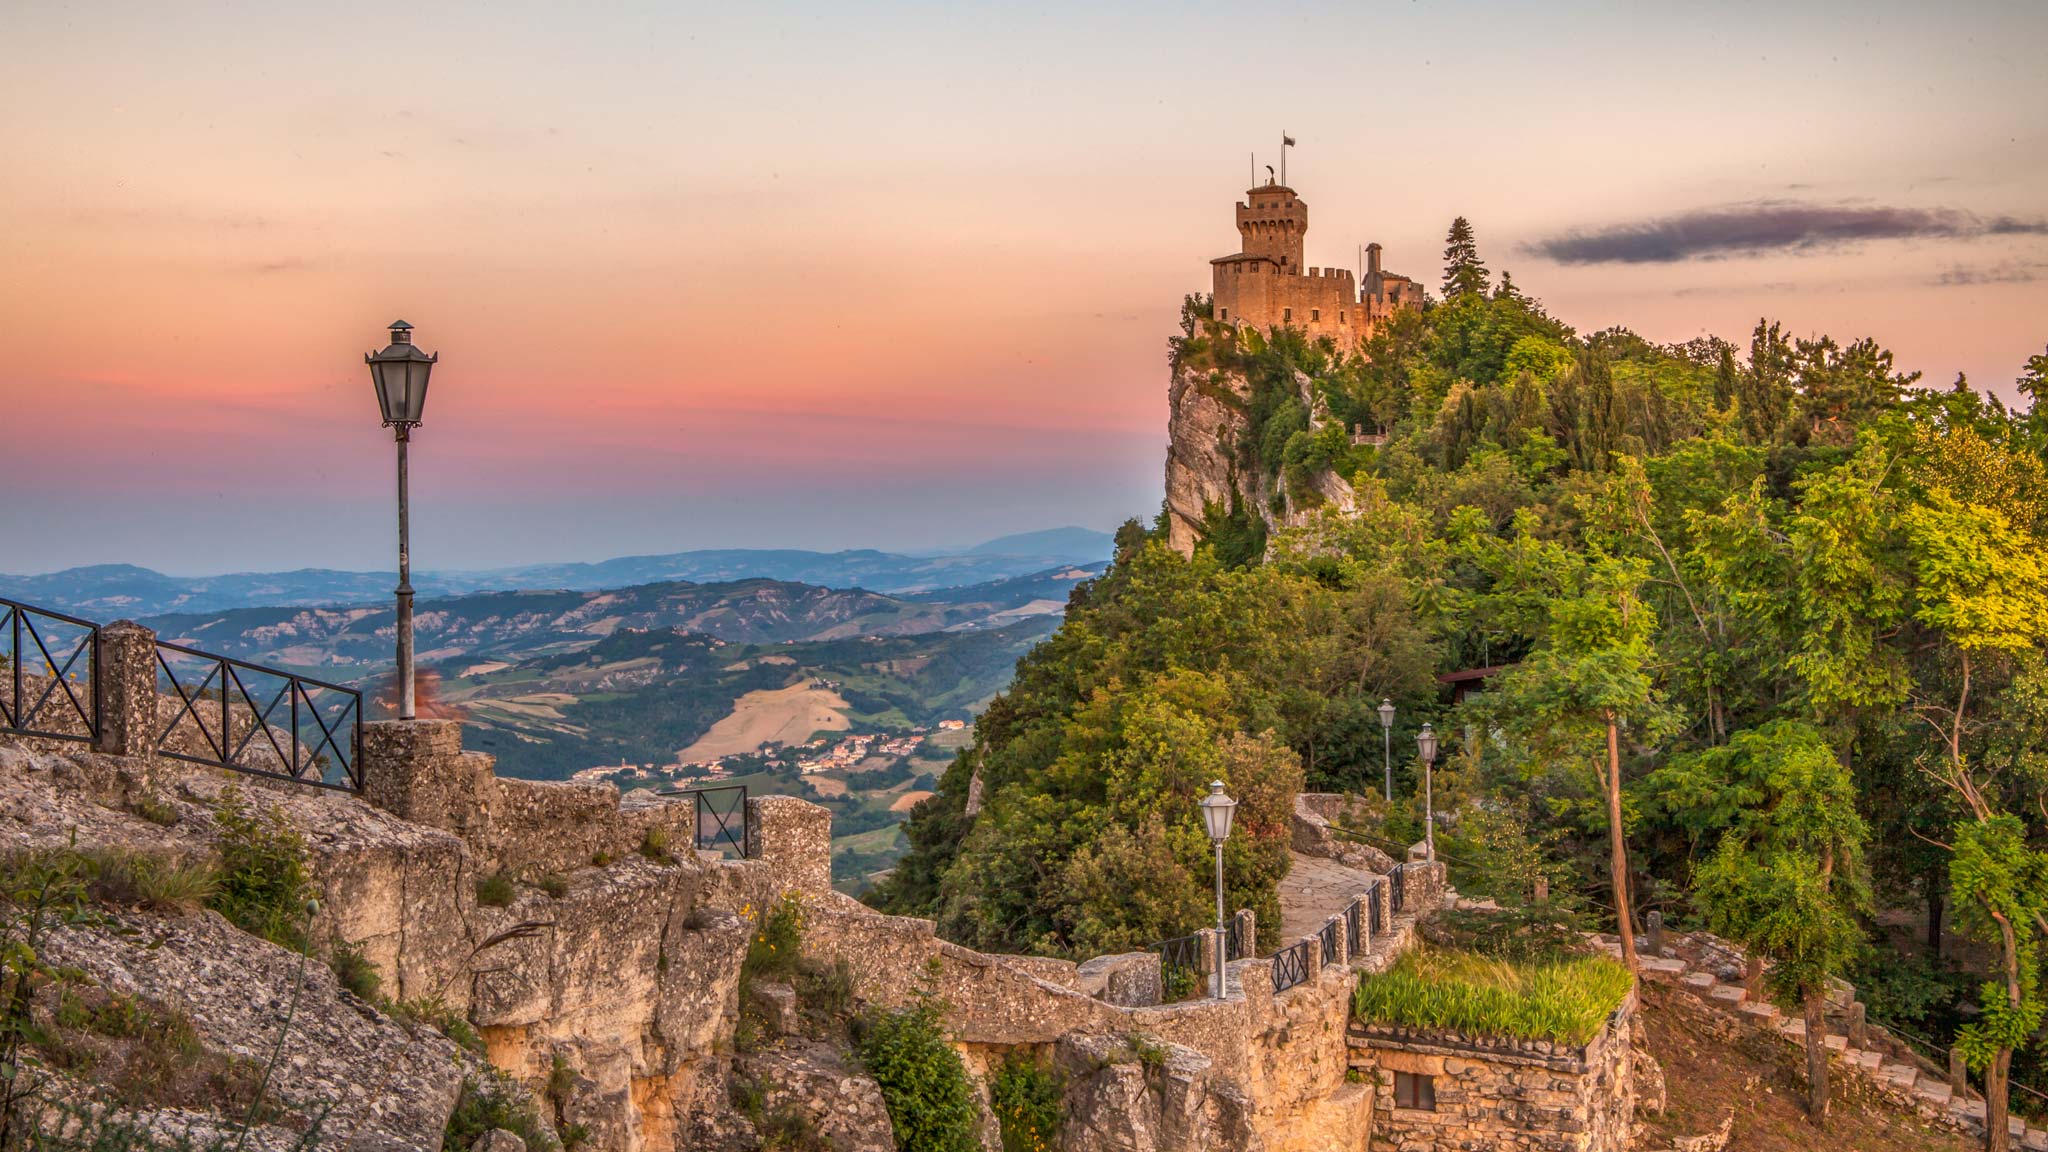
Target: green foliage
{"points": [[1565, 1000], [494, 1100], [776, 949], [263, 885], [1025, 1096], [931, 1104], [654, 844], [355, 971], [160, 883], [495, 889], [436, 1014], [2001, 886]]}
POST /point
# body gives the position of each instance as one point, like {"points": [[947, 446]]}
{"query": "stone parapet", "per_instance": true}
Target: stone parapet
{"points": [[794, 837]]}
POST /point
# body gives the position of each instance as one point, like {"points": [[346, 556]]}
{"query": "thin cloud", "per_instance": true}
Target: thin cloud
{"points": [[1961, 276], [1761, 227]]}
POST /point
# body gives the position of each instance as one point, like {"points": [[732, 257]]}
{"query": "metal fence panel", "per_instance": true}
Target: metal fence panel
{"points": [[1290, 965], [51, 685], [1328, 936], [258, 720]]}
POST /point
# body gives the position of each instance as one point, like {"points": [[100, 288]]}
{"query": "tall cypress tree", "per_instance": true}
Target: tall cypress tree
{"points": [[1463, 272]]}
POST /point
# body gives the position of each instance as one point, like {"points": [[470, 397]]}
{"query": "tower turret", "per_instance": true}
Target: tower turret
{"points": [[1272, 222]]}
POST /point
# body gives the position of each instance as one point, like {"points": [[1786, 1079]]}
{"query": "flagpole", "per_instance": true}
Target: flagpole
{"points": [[1283, 157]]}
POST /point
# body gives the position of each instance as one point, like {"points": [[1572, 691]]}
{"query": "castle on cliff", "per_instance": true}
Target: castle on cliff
{"points": [[1265, 286]]}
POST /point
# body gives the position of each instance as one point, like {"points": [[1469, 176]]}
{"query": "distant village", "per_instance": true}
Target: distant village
{"points": [[820, 754]]}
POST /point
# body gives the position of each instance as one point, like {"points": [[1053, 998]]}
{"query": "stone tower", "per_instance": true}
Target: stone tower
{"points": [[1273, 222]]}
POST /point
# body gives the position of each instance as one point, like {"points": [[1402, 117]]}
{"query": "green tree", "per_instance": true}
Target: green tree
{"points": [[1787, 879], [1464, 274], [1983, 589]]}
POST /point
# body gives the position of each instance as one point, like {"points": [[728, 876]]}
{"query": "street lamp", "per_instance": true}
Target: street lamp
{"points": [[400, 374], [1387, 731], [1216, 812], [1425, 743]]}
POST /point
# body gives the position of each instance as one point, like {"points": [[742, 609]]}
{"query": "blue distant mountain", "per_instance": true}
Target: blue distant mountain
{"points": [[1074, 545], [107, 591]]}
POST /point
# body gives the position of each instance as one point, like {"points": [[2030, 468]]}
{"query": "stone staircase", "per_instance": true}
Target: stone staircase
{"points": [[1903, 1080]]}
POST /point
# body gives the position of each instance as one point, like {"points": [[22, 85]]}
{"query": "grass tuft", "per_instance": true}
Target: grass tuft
{"points": [[495, 890], [1566, 999]]}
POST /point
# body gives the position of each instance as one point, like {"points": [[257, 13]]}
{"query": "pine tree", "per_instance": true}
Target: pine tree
{"points": [[1463, 272]]}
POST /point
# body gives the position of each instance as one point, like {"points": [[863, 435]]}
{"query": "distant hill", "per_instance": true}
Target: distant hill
{"points": [[106, 591], [1079, 545], [457, 631], [642, 697]]}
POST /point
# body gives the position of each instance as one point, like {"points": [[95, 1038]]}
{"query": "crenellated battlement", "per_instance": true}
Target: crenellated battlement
{"points": [[1265, 286]]}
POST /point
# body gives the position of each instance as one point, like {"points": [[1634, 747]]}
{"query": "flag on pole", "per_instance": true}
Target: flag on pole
{"points": [[1286, 141]]}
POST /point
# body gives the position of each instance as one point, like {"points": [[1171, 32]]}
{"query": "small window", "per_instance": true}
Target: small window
{"points": [[1286, 314], [1341, 319], [1315, 315], [1412, 1090], [1223, 313]]}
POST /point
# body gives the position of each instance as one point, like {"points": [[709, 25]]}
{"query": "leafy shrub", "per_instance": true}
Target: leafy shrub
{"points": [[434, 1012], [931, 1104], [355, 971], [494, 1100], [495, 890], [778, 942], [263, 885], [1566, 1000], [654, 844], [554, 885], [154, 808], [1026, 1097]]}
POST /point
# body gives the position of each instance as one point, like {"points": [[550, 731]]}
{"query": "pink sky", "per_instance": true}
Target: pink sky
{"points": [[876, 275]]}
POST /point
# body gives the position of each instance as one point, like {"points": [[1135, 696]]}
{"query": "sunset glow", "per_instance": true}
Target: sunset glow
{"points": [[894, 276]]}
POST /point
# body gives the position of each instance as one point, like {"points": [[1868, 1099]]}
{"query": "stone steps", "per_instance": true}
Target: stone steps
{"points": [[1931, 1091]]}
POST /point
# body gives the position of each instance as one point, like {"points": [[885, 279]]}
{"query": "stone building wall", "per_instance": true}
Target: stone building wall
{"points": [[1491, 1093], [1266, 286]]}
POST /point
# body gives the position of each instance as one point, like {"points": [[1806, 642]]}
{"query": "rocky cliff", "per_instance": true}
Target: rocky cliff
{"points": [[1212, 465]]}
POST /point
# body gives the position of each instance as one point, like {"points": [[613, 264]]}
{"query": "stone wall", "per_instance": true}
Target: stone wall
{"points": [[1493, 1093]]}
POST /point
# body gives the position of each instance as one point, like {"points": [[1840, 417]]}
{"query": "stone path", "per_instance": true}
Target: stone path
{"points": [[1314, 890], [1928, 1093]]}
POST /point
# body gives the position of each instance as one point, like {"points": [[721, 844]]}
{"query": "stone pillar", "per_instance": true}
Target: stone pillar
{"points": [[417, 770], [1248, 930], [1859, 1031], [1343, 955], [1958, 1072], [127, 690], [795, 836], [1653, 932]]}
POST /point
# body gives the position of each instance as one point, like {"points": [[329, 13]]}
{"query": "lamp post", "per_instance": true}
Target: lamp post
{"points": [[1387, 731], [1425, 743], [1216, 812], [400, 374]]}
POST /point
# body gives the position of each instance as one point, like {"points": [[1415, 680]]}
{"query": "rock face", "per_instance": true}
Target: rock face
{"points": [[1146, 1097], [1206, 428], [382, 1086], [810, 1081]]}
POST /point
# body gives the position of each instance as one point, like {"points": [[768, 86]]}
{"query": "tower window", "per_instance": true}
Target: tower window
{"points": [[1286, 314], [1413, 1090], [1223, 313], [1315, 315]]}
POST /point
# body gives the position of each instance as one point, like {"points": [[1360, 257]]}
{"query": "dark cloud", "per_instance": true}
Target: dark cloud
{"points": [[2007, 273], [1766, 226]]}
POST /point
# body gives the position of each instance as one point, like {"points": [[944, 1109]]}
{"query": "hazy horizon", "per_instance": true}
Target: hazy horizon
{"points": [[894, 275]]}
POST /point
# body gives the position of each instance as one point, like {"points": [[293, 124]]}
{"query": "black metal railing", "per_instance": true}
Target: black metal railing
{"points": [[262, 721], [1328, 936], [1290, 965], [1355, 942], [1235, 946], [1398, 886], [47, 692], [720, 820], [1376, 909], [1180, 966]]}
